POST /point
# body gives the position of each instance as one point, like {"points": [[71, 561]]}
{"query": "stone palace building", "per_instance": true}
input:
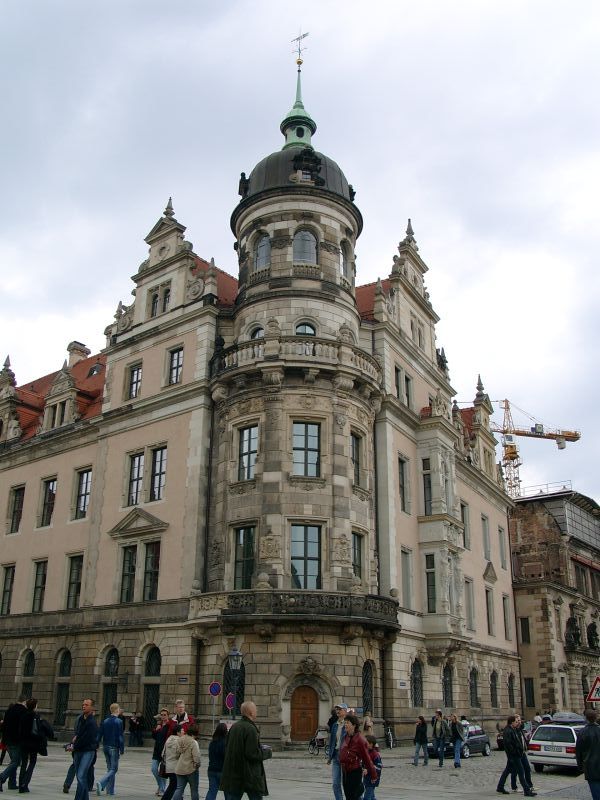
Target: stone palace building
{"points": [[270, 463]]}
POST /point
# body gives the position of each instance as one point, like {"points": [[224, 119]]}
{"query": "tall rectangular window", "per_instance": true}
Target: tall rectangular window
{"points": [[464, 518], [427, 503], [398, 382], [151, 569], [175, 365], [135, 381], [402, 484], [306, 449], [430, 583], [357, 544], [136, 479], [39, 586], [306, 557], [524, 625], [581, 579], [406, 564], [355, 444], [158, 475], [506, 616], [502, 547], [244, 558], [128, 573], [247, 452], [485, 535], [74, 585], [528, 685], [84, 489], [7, 588], [408, 391], [48, 499], [489, 611], [469, 604], [15, 508]]}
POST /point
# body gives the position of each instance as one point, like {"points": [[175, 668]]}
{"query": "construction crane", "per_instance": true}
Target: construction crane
{"points": [[511, 460]]}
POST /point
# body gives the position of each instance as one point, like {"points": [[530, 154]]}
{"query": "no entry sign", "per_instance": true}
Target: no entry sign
{"points": [[215, 689]]}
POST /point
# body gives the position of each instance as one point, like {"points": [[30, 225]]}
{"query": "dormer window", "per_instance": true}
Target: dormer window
{"points": [[262, 254], [305, 329], [166, 299], [154, 305], [305, 248]]}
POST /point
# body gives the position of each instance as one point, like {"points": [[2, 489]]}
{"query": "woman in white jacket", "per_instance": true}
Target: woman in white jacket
{"points": [[170, 757], [188, 762]]}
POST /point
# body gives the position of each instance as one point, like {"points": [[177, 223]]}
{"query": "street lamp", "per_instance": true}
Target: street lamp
{"points": [[235, 663]]}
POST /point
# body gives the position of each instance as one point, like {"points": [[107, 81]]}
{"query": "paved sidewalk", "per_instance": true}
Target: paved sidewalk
{"points": [[297, 775]]}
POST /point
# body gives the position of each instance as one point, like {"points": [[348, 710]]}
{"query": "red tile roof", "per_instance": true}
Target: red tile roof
{"points": [[227, 285], [365, 298]]}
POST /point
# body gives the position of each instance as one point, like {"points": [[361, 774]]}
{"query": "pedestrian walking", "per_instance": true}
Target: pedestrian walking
{"points": [[354, 757], [524, 760], [369, 784], [513, 747], [170, 757], [85, 744], [336, 738], [10, 736], [160, 734], [188, 761], [587, 752], [420, 741], [181, 717], [441, 734], [243, 768], [457, 737], [136, 725], [367, 725], [216, 758], [31, 741], [111, 735]]}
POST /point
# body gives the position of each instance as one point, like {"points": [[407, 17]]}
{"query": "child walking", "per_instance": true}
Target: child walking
{"points": [[368, 782]]}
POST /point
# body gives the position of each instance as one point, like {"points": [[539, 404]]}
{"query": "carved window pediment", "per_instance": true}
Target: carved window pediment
{"points": [[489, 574], [138, 523]]}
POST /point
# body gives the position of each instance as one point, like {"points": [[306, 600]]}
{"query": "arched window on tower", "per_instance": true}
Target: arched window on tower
{"points": [[305, 248], [344, 260], [305, 329], [416, 684], [447, 690], [494, 689], [262, 253], [473, 690], [258, 333]]}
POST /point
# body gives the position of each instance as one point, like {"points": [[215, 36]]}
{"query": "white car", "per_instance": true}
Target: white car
{"points": [[553, 746]]}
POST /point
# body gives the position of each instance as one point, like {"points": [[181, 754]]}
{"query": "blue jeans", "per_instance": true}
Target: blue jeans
{"points": [[83, 761], [369, 793], [594, 789], [439, 744], [419, 746], [182, 782], [10, 773], [111, 754], [214, 779], [336, 776], [457, 747], [160, 781]]}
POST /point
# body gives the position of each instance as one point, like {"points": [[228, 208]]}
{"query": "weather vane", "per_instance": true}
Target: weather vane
{"points": [[301, 49]]}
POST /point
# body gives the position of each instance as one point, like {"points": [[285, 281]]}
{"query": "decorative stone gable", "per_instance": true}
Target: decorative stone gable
{"points": [[138, 523], [9, 421]]}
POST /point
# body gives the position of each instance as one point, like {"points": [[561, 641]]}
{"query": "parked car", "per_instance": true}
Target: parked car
{"points": [[527, 730], [553, 745], [477, 741]]}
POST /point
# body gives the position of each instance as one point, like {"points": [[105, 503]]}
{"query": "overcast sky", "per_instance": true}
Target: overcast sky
{"points": [[479, 120]]}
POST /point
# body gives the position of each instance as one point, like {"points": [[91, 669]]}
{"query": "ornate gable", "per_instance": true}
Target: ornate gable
{"points": [[138, 523]]}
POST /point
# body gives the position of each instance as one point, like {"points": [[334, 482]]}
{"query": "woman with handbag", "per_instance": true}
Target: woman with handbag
{"points": [[166, 768], [354, 756]]}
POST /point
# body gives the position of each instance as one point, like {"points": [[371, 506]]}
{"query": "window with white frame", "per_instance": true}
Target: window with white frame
{"points": [[248, 450], [403, 484], [75, 572], [427, 494], [430, 583], [489, 610], [306, 556], [83, 491], [175, 366], [134, 381], [506, 615], [357, 554], [306, 449], [16, 500], [485, 537], [244, 559], [40, 570], [7, 588], [469, 604], [406, 565], [49, 486], [502, 547], [464, 518]]}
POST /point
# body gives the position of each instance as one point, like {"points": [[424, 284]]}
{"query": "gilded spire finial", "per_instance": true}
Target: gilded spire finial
{"points": [[298, 126]]}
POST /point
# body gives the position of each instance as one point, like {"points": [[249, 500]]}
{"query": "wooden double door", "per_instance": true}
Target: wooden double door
{"points": [[304, 714]]}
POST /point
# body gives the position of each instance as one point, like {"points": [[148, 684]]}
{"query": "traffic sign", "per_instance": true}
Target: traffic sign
{"points": [[215, 689], [594, 695], [230, 701]]}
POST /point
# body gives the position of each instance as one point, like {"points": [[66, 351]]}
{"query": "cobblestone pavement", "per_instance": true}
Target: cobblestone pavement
{"points": [[300, 776]]}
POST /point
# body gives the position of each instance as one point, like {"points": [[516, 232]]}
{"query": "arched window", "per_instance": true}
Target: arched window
{"points": [[447, 691], [61, 703], [65, 664], [166, 299], [262, 253], [344, 260], [151, 683], [154, 305], [511, 690], [305, 248], [109, 681], [258, 333], [305, 329], [28, 672], [228, 686], [473, 691], [367, 688], [111, 663], [494, 690], [416, 684]]}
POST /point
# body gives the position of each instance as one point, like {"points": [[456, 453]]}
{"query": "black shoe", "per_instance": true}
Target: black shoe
{"points": [[530, 794], [65, 789], [502, 791], [1, 782]]}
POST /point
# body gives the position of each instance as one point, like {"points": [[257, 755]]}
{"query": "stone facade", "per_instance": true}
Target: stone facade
{"points": [[270, 463], [555, 539]]}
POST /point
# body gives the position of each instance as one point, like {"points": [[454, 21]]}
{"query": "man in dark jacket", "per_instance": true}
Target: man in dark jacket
{"points": [[243, 769], [587, 752], [11, 738], [514, 749], [85, 744]]}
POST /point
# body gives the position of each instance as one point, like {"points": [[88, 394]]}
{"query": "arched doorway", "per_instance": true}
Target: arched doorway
{"points": [[304, 713]]}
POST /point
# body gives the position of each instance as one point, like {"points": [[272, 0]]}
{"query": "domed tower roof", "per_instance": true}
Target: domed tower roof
{"points": [[297, 167]]}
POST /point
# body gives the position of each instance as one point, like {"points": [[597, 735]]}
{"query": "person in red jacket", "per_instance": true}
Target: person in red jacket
{"points": [[354, 756]]}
